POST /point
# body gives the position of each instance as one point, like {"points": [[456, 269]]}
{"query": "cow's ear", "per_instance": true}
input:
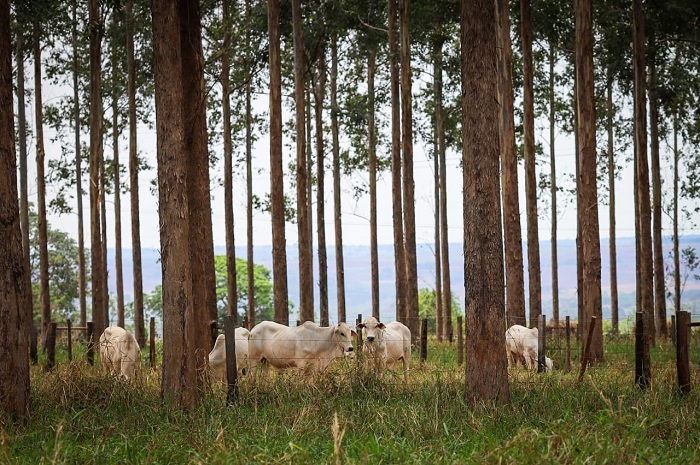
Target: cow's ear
{"points": [[353, 331], [360, 326], [381, 326]]}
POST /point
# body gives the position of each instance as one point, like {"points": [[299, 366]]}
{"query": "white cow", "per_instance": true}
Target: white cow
{"points": [[217, 356], [119, 352], [308, 345], [521, 343], [386, 344]]}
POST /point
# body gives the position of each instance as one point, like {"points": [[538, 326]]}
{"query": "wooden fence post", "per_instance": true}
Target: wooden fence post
{"points": [[683, 351], [213, 331], [568, 344], [69, 326], [33, 345], [152, 342], [51, 347], [642, 361], [460, 342], [90, 353], [424, 340], [359, 333], [231, 368], [586, 351], [673, 329], [541, 339]]}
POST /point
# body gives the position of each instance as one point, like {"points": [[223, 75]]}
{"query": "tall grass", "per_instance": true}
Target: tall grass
{"points": [[350, 415]]}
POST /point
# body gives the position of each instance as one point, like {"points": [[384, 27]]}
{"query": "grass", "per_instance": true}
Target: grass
{"points": [[80, 415]]}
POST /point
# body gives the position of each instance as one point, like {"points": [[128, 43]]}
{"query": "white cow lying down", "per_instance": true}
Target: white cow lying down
{"points": [[217, 356], [521, 343], [308, 345], [119, 352], [386, 344]]}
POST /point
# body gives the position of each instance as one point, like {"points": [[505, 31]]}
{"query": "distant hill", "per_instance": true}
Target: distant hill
{"points": [[358, 285]]}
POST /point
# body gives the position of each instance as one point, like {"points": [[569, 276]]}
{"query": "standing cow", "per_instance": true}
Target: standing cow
{"points": [[217, 356], [308, 345], [119, 352], [386, 344], [521, 344]]}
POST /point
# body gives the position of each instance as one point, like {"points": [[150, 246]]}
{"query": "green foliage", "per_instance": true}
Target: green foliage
{"points": [[264, 309], [427, 307]]}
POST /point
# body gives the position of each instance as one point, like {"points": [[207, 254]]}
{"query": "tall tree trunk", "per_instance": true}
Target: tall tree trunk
{"points": [[590, 238], [409, 206], [179, 378], [41, 186], [515, 286], [97, 261], [553, 189], [198, 195], [533, 241], [487, 371], [437, 126], [279, 253], [646, 268], [103, 232], [658, 259], [372, 149], [231, 289], [140, 330], [396, 183], [319, 96], [15, 289], [339, 262], [579, 248], [82, 283], [250, 266], [444, 242], [306, 285], [117, 188], [676, 248], [614, 307], [309, 184]]}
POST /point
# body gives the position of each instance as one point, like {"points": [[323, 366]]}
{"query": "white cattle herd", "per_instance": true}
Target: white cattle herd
{"points": [[309, 346]]}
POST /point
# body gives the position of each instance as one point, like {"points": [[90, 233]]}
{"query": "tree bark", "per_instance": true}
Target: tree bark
{"points": [[614, 306], [103, 233], [515, 286], [250, 266], [339, 262], [590, 239], [487, 371], [444, 241], [117, 187], [437, 127], [372, 149], [279, 253], [676, 248], [533, 241], [179, 378], [553, 190], [319, 96], [15, 289]]}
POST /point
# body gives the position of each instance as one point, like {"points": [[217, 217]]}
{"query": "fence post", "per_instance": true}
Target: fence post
{"points": [[642, 374], [213, 331], [460, 342], [51, 347], [673, 329], [152, 342], [33, 343], [69, 326], [424, 340], [682, 351], [231, 368], [541, 338], [90, 353], [568, 344], [586, 352]]}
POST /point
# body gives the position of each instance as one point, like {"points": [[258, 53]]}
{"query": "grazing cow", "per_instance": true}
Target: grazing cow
{"points": [[521, 343], [217, 356], [119, 352], [308, 345], [386, 344]]}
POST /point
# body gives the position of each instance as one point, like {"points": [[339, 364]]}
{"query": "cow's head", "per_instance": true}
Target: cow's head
{"points": [[343, 336], [374, 330]]}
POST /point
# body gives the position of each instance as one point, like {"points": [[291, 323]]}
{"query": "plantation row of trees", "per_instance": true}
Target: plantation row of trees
{"points": [[200, 67]]}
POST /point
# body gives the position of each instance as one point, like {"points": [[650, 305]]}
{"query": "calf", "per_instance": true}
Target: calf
{"points": [[386, 344], [521, 344], [217, 356], [119, 352]]}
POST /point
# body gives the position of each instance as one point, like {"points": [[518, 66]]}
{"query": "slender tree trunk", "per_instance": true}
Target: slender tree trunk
{"points": [[487, 371], [117, 188], [15, 290], [97, 264], [279, 253], [103, 232], [515, 286], [140, 330], [409, 213], [339, 262], [644, 210], [444, 242], [533, 241], [309, 185], [553, 190], [232, 292], [250, 266], [590, 238], [179, 378], [579, 248], [319, 96], [676, 248], [396, 182], [437, 90], [372, 149], [41, 186], [614, 307], [658, 259], [306, 285], [198, 185]]}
